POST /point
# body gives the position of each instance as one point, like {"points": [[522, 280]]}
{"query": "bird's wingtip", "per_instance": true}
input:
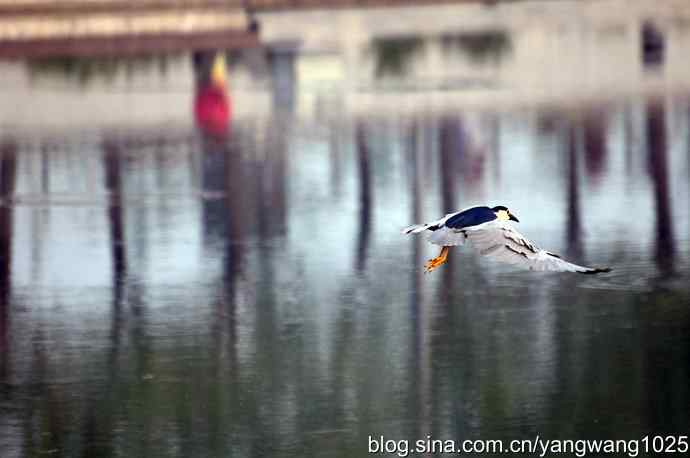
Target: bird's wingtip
{"points": [[413, 229], [596, 270]]}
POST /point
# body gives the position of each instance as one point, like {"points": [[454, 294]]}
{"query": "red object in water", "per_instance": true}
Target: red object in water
{"points": [[212, 110]]}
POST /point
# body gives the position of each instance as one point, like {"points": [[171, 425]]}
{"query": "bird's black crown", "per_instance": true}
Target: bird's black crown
{"points": [[499, 207]]}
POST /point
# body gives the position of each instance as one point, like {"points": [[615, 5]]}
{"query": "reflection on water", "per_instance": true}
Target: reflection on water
{"points": [[8, 164], [242, 289], [214, 296], [658, 169]]}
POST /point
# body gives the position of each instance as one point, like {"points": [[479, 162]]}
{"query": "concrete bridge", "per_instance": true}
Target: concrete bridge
{"points": [[45, 28]]}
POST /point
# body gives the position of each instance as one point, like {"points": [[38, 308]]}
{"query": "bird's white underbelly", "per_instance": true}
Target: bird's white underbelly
{"points": [[446, 237]]}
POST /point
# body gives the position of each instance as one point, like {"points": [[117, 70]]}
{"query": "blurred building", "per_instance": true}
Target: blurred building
{"points": [[45, 28], [364, 56]]}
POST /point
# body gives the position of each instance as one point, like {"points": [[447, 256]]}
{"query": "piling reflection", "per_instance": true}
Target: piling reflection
{"points": [[595, 125], [99, 413], [451, 151], [8, 171], [225, 327], [573, 224], [112, 157], [365, 199], [657, 151], [420, 313]]}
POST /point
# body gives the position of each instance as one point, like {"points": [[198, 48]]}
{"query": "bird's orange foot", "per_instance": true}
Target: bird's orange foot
{"points": [[434, 263]]}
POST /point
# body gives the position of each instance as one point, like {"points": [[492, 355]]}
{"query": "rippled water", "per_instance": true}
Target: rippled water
{"points": [[253, 295], [243, 289]]}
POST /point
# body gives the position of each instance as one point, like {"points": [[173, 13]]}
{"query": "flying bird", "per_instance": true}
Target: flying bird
{"points": [[489, 230]]}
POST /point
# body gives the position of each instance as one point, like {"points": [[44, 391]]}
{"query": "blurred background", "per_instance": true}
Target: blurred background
{"points": [[200, 206]]}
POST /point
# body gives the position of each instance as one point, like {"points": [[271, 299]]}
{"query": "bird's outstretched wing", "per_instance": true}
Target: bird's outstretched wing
{"points": [[499, 240]]}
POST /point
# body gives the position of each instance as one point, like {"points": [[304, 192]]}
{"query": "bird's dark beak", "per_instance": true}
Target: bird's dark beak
{"points": [[513, 218]]}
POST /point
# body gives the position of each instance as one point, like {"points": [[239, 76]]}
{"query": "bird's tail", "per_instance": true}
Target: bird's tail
{"points": [[416, 229]]}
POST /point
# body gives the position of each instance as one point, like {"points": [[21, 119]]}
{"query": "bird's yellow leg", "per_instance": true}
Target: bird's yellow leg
{"points": [[438, 261]]}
